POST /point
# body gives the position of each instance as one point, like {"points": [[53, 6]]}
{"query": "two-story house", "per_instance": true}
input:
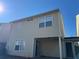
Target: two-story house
{"points": [[38, 35]]}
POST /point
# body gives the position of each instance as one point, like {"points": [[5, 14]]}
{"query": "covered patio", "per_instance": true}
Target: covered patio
{"points": [[50, 47], [58, 47], [72, 47]]}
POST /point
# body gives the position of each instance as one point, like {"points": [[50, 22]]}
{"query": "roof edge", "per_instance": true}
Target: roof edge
{"points": [[22, 19]]}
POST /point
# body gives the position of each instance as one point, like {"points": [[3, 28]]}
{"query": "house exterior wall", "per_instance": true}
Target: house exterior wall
{"points": [[52, 31], [21, 31], [4, 32], [29, 30], [49, 48]]}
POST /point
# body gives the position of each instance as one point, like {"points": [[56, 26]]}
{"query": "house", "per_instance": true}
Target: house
{"points": [[37, 35], [72, 43]]}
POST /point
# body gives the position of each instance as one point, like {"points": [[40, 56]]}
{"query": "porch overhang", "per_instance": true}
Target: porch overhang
{"points": [[45, 38], [71, 39]]}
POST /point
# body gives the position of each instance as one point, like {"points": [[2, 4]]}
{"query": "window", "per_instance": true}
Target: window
{"points": [[45, 21], [41, 25], [41, 22], [19, 45], [48, 23], [49, 18]]}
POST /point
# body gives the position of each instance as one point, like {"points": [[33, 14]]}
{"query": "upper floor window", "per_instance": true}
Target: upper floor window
{"points": [[49, 18], [48, 23], [41, 25], [45, 21]]}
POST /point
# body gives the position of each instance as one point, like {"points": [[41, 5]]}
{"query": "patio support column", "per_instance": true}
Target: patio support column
{"points": [[73, 49], [60, 48]]}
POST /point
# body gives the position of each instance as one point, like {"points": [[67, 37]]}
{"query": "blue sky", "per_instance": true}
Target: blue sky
{"points": [[16, 9]]}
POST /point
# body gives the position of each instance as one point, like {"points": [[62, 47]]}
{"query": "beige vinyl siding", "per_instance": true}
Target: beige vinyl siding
{"points": [[28, 31], [21, 31], [51, 31], [4, 32], [49, 48]]}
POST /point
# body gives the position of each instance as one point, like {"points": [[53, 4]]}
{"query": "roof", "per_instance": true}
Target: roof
{"points": [[71, 39], [30, 17]]}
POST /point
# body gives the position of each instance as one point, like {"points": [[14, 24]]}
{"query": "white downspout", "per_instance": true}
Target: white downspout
{"points": [[60, 48]]}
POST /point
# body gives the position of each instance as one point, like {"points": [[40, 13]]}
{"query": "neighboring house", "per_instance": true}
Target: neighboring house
{"points": [[72, 43], [77, 24], [37, 35]]}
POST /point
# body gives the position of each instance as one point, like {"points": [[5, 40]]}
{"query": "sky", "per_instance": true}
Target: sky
{"points": [[16, 9]]}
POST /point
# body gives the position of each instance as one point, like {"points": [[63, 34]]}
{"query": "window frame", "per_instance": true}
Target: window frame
{"points": [[44, 20], [20, 44], [48, 23]]}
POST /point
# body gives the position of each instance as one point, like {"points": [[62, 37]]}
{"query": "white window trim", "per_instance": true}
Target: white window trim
{"points": [[44, 19], [20, 42]]}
